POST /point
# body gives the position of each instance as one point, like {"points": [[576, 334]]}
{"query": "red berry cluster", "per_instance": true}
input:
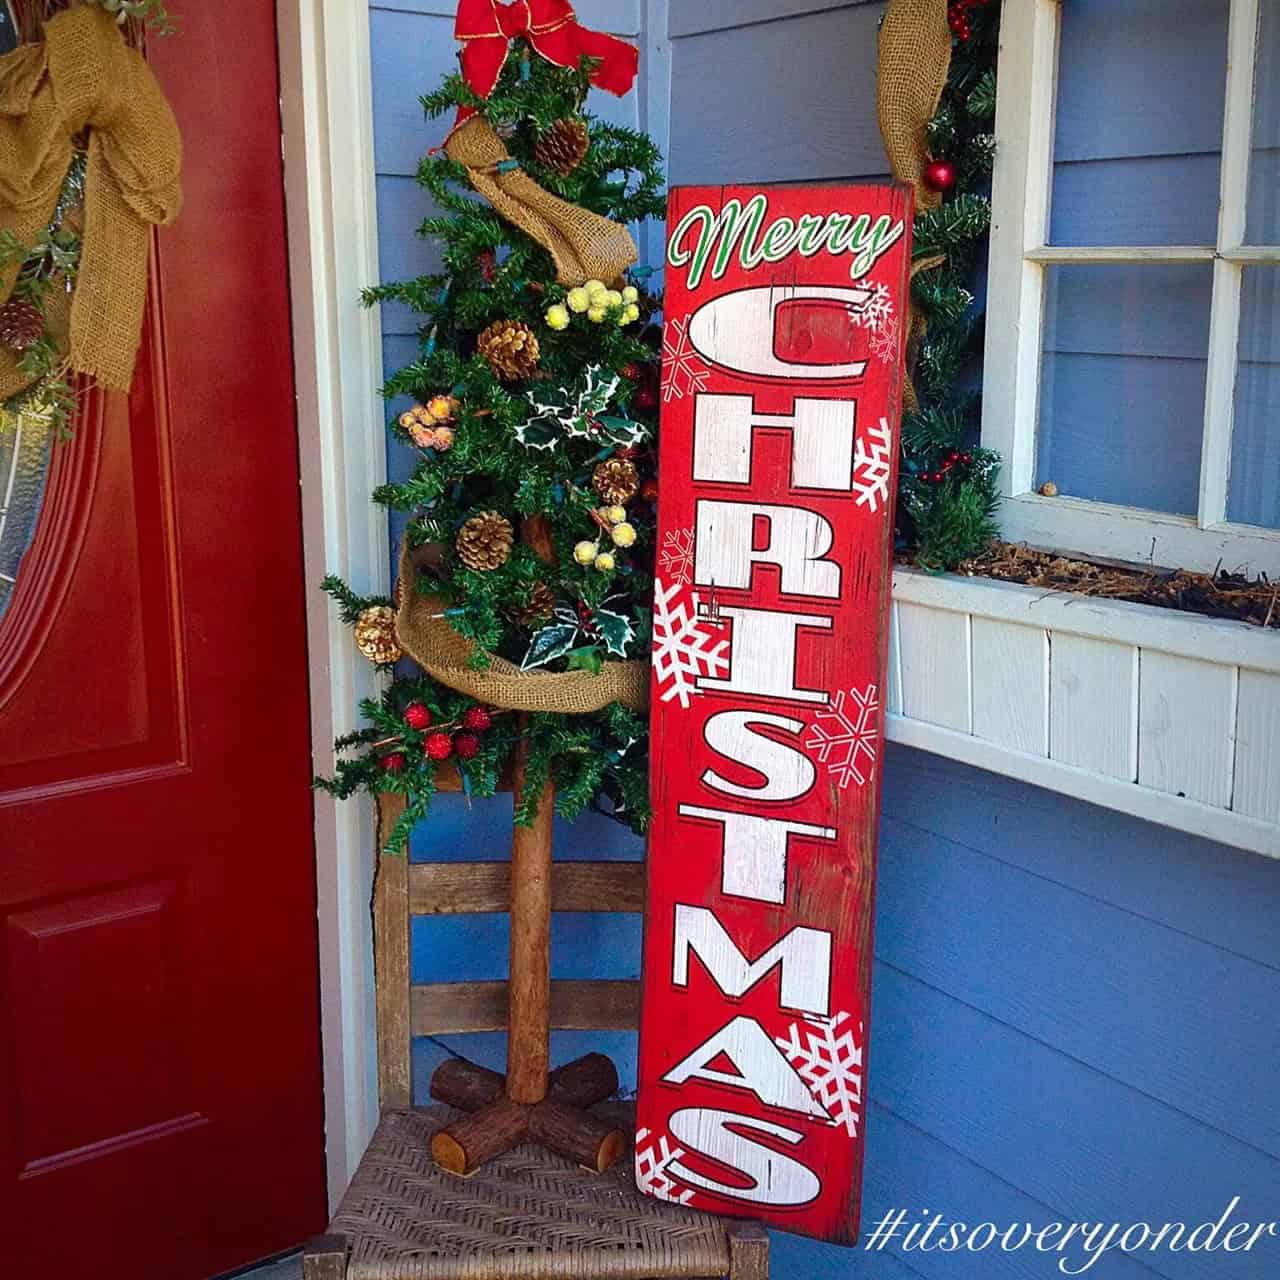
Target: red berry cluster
{"points": [[958, 16], [587, 620], [464, 742], [953, 459]]}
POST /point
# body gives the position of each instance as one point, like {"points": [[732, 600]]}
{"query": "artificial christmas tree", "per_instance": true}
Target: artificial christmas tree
{"points": [[531, 443]]}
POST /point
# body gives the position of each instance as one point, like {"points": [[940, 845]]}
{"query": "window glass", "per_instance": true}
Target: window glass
{"points": [[1138, 127], [1123, 383], [24, 463], [1254, 495]]}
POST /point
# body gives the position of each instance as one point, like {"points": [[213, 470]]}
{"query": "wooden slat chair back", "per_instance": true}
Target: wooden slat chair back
{"points": [[404, 1010], [402, 1218]]}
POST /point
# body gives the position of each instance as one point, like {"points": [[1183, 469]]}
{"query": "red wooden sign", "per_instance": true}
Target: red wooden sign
{"points": [[785, 316]]}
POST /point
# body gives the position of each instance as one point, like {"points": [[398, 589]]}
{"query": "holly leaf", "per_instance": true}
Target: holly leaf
{"points": [[624, 431], [615, 630], [548, 644], [585, 658]]}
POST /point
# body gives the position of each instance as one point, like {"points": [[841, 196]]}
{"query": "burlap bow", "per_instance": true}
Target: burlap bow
{"points": [[583, 245], [84, 77], [915, 57], [428, 637]]}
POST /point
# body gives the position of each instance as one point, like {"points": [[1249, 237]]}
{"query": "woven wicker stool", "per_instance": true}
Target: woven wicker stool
{"points": [[527, 1213]]}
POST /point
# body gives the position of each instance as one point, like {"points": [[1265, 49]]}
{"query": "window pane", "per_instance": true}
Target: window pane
{"points": [[24, 463], [1264, 162], [1138, 135], [1254, 496], [1122, 383]]}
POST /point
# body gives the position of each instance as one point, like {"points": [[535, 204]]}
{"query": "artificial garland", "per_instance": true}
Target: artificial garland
{"points": [[937, 110], [526, 576]]}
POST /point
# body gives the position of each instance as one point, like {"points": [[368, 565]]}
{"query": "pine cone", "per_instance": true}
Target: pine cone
{"points": [[376, 634], [21, 325], [542, 603], [511, 348], [484, 542], [563, 147], [616, 480]]}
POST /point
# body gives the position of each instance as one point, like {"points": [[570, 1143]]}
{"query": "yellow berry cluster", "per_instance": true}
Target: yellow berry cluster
{"points": [[622, 533], [430, 426], [598, 303]]}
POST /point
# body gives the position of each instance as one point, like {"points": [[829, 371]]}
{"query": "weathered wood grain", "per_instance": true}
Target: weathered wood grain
{"points": [[452, 1008], [471, 888], [391, 962]]}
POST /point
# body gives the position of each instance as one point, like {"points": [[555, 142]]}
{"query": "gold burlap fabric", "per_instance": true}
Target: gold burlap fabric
{"points": [[84, 76], [439, 650], [915, 56], [583, 245]]}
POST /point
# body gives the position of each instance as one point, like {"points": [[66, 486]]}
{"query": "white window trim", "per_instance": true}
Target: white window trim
{"points": [[1019, 255]]}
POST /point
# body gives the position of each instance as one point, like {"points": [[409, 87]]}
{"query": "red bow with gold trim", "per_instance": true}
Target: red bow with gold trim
{"points": [[486, 27]]}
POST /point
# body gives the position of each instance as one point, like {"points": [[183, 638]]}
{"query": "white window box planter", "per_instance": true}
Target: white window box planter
{"points": [[1172, 717]]}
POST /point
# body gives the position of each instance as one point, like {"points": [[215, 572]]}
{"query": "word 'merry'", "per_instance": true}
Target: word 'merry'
{"points": [[781, 390]]}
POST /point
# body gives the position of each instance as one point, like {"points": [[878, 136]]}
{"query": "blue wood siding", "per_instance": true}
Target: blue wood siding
{"points": [[1074, 1012]]}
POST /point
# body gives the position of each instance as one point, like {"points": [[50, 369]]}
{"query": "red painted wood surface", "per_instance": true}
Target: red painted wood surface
{"points": [[785, 310], [159, 1040]]}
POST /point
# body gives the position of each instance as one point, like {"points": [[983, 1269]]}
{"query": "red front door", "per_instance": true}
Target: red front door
{"points": [[160, 1100]]}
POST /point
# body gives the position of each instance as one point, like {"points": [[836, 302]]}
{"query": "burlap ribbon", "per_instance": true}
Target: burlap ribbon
{"points": [[915, 57], [84, 76], [430, 640], [583, 245]]}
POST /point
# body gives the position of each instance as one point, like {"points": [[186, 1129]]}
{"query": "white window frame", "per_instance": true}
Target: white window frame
{"points": [[1020, 254]]}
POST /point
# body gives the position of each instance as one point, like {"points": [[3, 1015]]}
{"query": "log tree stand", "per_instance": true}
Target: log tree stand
{"points": [[529, 1104]]}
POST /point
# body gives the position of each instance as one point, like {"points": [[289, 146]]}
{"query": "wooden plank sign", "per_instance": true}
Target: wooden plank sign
{"points": [[785, 316]]}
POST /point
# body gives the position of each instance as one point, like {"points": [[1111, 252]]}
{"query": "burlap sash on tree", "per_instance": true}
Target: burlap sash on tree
{"points": [[915, 56], [442, 653], [83, 75], [583, 245]]}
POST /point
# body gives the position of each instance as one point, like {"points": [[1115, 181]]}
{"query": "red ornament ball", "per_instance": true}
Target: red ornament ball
{"points": [[649, 491], [394, 763], [647, 397], [439, 746], [416, 716], [477, 719], [939, 175], [467, 746]]}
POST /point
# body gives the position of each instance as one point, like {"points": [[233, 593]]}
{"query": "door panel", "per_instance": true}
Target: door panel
{"points": [[160, 1105]]}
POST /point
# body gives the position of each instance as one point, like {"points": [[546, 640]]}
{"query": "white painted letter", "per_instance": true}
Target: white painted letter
{"points": [[822, 440], [798, 541], [788, 772], [775, 1179], [762, 658], [736, 331], [755, 851], [760, 1068], [802, 958]]}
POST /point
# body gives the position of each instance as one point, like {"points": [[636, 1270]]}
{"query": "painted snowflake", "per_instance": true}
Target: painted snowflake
{"points": [[675, 559], [684, 374], [651, 1169], [872, 464], [878, 311], [829, 1060], [848, 747], [684, 647], [886, 345]]}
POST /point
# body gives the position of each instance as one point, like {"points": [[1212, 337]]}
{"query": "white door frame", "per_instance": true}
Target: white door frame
{"points": [[327, 146]]}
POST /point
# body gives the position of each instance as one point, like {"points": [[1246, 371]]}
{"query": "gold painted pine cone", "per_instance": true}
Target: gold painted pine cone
{"points": [[616, 480], [484, 542], [511, 348], [376, 634], [563, 147]]}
